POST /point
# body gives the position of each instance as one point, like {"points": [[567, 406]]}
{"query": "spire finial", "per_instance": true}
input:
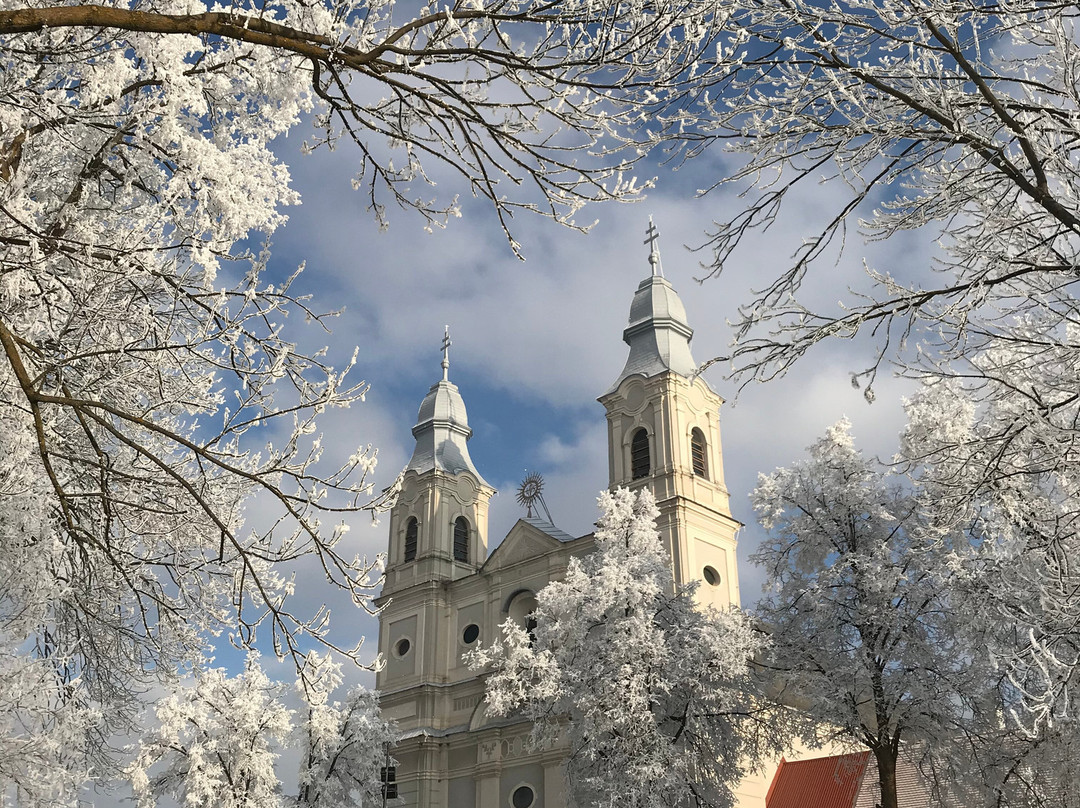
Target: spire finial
{"points": [[446, 343], [651, 237]]}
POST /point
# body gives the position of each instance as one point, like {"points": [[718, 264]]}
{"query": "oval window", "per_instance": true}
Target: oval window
{"points": [[402, 647], [522, 797], [470, 634], [712, 577]]}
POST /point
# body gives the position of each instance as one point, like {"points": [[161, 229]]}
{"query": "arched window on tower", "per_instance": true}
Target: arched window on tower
{"points": [[699, 458], [412, 530], [639, 455], [461, 539]]}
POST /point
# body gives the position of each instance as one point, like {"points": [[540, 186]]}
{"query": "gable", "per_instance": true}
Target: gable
{"points": [[524, 541]]}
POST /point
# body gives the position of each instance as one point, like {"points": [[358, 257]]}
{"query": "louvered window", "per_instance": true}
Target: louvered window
{"points": [[461, 539], [698, 458], [412, 530], [639, 455]]}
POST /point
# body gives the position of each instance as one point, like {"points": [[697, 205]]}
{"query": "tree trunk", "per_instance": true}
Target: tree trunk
{"points": [[886, 766]]}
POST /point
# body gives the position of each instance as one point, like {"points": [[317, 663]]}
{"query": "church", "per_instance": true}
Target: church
{"points": [[444, 594]]}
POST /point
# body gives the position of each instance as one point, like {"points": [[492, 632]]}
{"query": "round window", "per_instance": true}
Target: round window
{"points": [[712, 577], [522, 797], [470, 634], [402, 647]]}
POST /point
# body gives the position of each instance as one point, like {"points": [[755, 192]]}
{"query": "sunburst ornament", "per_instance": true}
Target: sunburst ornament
{"points": [[531, 492]]}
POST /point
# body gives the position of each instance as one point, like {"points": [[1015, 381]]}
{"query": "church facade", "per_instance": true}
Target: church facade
{"points": [[443, 593]]}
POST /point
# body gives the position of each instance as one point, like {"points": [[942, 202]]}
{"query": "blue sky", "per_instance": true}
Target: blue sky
{"points": [[535, 342]]}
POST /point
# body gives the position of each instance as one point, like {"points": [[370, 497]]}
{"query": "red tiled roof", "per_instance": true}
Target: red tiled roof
{"points": [[828, 782]]}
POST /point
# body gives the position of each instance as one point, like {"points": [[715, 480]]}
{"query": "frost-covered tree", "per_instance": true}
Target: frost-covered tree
{"points": [[46, 762], [1014, 586], [148, 385], [859, 608], [958, 123], [344, 745], [649, 690], [216, 744]]}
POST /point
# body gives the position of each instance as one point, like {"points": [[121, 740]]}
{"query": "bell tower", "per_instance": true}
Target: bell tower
{"points": [[438, 527], [664, 433], [438, 534]]}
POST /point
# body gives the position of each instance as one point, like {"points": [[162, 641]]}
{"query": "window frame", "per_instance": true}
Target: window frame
{"points": [[462, 531], [412, 539], [640, 450], [699, 454]]}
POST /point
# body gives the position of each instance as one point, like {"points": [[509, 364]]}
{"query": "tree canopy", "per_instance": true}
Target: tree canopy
{"points": [[861, 609], [956, 123], [150, 386], [649, 691]]}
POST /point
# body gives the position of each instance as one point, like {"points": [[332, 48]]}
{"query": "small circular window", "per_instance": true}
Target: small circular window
{"points": [[402, 648], [470, 634], [523, 797], [712, 577]]}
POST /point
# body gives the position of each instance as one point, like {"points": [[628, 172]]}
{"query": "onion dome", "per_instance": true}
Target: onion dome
{"points": [[442, 428], [658, 334]]}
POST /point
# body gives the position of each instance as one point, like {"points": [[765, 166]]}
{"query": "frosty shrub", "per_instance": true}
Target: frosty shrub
{"points": [[216, 743]]}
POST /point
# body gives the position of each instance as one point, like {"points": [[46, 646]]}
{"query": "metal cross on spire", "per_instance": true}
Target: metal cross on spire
{"points": [[446, 343], [652, 235]]}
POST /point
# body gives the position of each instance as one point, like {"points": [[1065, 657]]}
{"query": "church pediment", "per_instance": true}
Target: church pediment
{"points": [[524, 541]]}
